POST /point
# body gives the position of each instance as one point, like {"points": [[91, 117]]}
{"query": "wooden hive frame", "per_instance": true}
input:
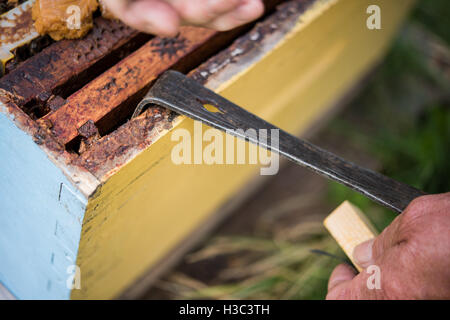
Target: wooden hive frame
{"points": [[101, 190]]}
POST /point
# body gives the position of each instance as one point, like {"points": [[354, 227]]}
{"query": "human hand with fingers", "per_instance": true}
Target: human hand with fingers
{"points": [[412, 254], [164, 17]]}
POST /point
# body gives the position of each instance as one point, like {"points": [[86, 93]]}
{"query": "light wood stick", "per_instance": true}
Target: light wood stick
{"points": [[349, 227]]}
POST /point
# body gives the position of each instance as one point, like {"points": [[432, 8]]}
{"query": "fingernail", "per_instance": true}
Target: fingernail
{"points": [[362, 254]]}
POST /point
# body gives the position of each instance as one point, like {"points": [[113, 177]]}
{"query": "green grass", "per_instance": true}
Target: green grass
{"points": [[262, 269]]}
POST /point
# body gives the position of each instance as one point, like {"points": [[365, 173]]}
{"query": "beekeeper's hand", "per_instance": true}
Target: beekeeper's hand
{"points": [[164, 17], [410, 259]]}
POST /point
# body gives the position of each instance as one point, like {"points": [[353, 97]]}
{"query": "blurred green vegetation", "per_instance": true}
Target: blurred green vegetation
{"points": [[401, 120], [261, 268], [434, 14]]}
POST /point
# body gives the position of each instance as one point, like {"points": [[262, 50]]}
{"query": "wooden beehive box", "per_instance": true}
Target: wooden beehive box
{"points": [[82, 184]]}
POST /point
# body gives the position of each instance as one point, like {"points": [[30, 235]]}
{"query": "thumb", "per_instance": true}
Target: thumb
{"points": [[339, 279], [363, 254], [368, 252]]}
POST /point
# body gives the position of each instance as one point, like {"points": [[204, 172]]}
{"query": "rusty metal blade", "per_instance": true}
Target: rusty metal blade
{"points": [[183, 95]]}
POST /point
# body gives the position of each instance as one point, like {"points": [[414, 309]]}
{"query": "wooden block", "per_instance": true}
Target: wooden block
{"points": [[350, 227]]}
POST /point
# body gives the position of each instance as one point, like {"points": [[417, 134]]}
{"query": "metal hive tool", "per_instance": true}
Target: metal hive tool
{"points": [[181, 94]]}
